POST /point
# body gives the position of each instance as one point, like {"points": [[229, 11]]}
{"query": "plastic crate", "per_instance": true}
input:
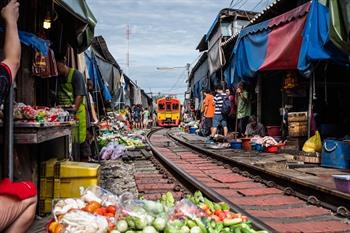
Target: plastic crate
{"points": [[297, 116], [342, 183], [46, 188], [297, 129], [45, 206], [47, 168], [70, 187], [69, 169], [335, 154]]}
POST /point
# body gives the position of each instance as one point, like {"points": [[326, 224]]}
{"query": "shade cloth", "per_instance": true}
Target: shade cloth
{"points": [[83, 24], [271, 45]]}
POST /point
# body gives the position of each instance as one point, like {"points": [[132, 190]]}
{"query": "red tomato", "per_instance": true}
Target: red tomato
{"points": [[100, 211], [109, 215], [217, 212], [222, 216], [111, 209]]}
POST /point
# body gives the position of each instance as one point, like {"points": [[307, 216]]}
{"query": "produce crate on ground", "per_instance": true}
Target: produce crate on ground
{"points": [[46, 178], [297, 129], [45, 206], [70, 176], [297, 116]]}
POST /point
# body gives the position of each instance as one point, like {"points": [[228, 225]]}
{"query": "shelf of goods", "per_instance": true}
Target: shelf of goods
{"points": [[35, 133]]}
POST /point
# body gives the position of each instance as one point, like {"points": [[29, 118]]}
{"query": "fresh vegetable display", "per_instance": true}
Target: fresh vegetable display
{"points": [[96, 211], [194, 214]]}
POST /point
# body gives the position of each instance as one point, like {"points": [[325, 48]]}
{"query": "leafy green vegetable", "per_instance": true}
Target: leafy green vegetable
{"points": [[130, 222], [122, 226], [149, 229], [184, 229], [153, 207], [195, 229], [230, 222], [159, 223], [149, 219], [168, 200], [224, 206], [191, 223], [201, 225], [140, 222], [209, 204]]}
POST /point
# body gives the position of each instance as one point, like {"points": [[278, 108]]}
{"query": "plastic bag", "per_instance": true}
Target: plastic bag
{"points": [[184, 209], [112, 151], [81, 221], [100, 195], [313, 144]]}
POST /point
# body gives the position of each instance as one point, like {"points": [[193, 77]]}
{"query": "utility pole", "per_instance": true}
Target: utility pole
{"points": [[128, 33]]}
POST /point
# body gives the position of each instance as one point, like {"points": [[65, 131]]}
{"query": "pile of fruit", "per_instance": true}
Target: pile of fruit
{"points": [[194, 214]]}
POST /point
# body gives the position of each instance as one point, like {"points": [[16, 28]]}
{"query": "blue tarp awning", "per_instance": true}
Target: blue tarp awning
{"points": [[95, 76], [294, 40]]}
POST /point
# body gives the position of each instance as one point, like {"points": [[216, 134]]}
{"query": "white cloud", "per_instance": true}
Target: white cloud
{"points": [[164, 33]]}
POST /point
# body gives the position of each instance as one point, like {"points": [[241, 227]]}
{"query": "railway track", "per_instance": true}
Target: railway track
{"points": [[266, 202]]}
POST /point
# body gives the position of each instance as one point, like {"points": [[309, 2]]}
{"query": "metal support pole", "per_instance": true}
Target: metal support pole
{"points": [[259, 98], [310, 105], [9, 136]]}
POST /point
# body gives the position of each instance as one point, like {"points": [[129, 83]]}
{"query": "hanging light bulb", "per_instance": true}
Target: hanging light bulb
{"points": [[48, 18], [47, 21]]}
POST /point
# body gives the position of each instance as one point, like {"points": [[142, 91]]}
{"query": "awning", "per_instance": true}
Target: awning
{"points": [[83, 24], [271, 45], [95, 76], [326, 35]]}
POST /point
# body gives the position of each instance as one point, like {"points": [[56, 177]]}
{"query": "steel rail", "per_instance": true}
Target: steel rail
{"points": [[193, 184], [313, 194]]}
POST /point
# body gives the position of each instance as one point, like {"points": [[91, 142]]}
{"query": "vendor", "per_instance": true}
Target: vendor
{"points": [[17, 199], [243, 107], [254, 128], [72, 91]]}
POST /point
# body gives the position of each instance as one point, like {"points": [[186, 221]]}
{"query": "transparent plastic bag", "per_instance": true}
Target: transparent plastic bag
{"points": [[138, 208], [94, 200], [186, 209], [102, 196], [80, 221]]}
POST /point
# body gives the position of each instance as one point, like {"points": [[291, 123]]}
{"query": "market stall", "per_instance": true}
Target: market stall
{"points": [[39, 130]]}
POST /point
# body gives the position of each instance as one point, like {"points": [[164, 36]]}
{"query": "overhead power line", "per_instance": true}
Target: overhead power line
{"points": [[256, 5]]}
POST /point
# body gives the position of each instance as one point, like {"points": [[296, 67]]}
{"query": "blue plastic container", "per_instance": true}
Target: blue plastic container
{"points": [[192, 130], [236, 145], [335, 154], [259, 147]]}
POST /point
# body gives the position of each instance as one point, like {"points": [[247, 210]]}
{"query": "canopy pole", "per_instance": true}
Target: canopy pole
{"points": [[310, 105], [259, 98], [8, 137]]}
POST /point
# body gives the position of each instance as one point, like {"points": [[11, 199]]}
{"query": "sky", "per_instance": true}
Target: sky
{"points": [[163, 33]]}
